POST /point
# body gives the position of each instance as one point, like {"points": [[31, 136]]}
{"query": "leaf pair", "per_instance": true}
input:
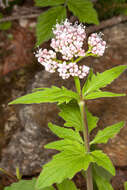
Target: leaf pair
{"points": [[67, 163], [82, 9], [72, 158], [71, 114], [91, 89]]}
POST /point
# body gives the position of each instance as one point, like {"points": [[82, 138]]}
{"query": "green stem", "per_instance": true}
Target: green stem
{"points": [[87, 145], [87, 54], [85, 133]]}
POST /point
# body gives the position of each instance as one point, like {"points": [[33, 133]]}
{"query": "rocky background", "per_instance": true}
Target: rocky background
{"points": [[23, 128]]}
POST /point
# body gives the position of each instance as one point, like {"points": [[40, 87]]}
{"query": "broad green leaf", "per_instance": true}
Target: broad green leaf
{"points": [[63, 165], [71, 114], [26, 185], [102, 79], [84, 10], [109, 132], [23, 185], [101, 94], [66, 144], [125, 185], [65, 133], [53, 94], [91, 120], [46, 22], [103, 160], [101, 182], [67, 185], [45, 3]]}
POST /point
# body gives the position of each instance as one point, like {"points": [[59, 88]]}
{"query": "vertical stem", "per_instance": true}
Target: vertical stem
{"points": [[87, 146], [85, 133]]}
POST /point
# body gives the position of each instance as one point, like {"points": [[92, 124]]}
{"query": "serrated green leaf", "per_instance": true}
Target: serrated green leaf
{"points": [[103, 160], [102, 79], [63, 165], [23, 185], [84, 10], [125, 185], [45, 3], [101, 182], [65, 133], [46, 22], [66, 144], [71, 114], [91, 120], [53, 94], [109, 132], [101, 94], [67, 184]]}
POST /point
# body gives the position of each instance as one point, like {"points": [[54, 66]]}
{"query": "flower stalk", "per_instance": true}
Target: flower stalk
{"points": [[81, 103]]}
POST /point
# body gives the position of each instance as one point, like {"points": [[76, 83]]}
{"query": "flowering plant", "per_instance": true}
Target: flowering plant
{"points": [[76, 151]]}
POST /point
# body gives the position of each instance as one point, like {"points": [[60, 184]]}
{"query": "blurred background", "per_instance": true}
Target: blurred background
{"points": [[27, 24]]}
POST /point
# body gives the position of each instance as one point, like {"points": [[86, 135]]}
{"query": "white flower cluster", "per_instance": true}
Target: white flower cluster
{"points": [[69, 40], [72, 69], [47, 59], [97, 44]]}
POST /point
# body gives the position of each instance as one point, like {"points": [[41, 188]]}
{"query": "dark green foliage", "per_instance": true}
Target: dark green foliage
{"points": [[82, 9], [109, 8], [46, 21]]}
